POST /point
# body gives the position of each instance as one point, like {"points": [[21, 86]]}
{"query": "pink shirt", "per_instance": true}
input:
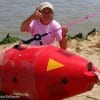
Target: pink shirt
{"points": [[53, 28]]}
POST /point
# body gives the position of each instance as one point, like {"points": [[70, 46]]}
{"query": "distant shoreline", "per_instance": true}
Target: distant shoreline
{"points": [[27, 35]]}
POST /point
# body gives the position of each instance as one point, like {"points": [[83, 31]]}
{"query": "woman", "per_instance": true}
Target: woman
{"points": [[40, 22]]}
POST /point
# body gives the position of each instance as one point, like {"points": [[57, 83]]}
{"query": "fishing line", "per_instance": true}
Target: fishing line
{"points": [[82, 19]]}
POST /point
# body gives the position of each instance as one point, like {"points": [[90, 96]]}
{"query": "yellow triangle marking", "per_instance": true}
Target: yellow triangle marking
{"points": [[53, 64]]}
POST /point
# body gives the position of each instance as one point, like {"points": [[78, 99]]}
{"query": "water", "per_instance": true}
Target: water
{"points": [[13, 12]]}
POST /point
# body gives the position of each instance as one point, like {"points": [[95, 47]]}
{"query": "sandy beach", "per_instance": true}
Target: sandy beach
{"points": [[90, 49]]}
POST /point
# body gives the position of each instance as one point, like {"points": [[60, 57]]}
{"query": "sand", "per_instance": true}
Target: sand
{"points": [[90, 49]]}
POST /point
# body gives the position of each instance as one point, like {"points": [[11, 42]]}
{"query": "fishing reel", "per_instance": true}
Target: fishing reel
{"points": [[37, 37]]}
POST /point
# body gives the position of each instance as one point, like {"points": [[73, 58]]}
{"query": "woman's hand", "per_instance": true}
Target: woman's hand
{"points": [[37, 13]]}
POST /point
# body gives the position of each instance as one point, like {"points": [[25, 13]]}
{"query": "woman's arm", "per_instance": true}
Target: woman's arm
{"points": [[25, 24], [63, 42]]}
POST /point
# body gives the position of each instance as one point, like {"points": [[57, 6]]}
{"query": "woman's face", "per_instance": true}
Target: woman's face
{"points": [[46, 16]]}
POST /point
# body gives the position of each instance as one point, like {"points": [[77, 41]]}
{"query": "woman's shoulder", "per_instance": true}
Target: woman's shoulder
{"points": [[34, 22], [55, 23]]}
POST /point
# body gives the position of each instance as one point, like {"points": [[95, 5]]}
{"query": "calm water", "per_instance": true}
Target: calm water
{"points": [[13, 12]]}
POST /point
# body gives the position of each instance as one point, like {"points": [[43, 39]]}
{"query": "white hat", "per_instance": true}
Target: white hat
{"points": [[45, 5]]}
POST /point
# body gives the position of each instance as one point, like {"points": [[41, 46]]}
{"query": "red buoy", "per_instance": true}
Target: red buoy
{"points": [[45, 73]]}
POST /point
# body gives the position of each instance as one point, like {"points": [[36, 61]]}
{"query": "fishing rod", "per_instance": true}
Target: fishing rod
{"points": [[79, 20], [38, 37], [82, 19]]}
